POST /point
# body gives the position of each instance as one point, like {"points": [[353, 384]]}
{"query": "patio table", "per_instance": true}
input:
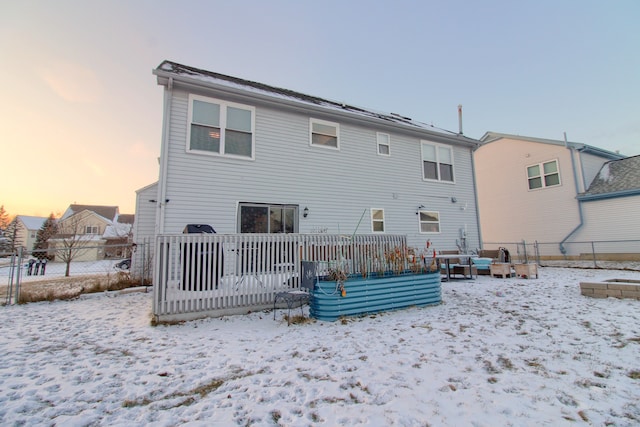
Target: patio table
{"points": [[447, 261]]}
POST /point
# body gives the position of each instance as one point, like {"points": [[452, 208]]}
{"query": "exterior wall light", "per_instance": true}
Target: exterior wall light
{"points": [[305, 212]]}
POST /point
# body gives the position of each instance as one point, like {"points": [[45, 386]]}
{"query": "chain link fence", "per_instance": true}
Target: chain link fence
{"points": [[69, 271], [609, 254]]}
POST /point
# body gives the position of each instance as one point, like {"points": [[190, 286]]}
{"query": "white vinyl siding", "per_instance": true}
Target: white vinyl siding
{"points": [[287, 170], [220, 128]]}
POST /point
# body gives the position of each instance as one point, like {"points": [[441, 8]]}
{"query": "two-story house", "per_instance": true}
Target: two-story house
{"points": [[528, 190], [245, 157], [101, 231]]}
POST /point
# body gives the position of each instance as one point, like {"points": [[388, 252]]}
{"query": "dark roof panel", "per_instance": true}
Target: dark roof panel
{"points": [[616, 176], [276, 92]]}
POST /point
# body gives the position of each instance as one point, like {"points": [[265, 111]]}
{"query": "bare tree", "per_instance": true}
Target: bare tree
{"points": [[71, 240]]}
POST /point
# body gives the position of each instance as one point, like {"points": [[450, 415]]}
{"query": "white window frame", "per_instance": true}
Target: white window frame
{"points": [[437, 148], [313, 121], [381, 143], [420, 222], [91, 229], [224, 105], [542, 175], [375, 220]]}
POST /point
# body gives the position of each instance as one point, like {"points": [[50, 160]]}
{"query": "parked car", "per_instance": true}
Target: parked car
{"points": [[125, 264]]}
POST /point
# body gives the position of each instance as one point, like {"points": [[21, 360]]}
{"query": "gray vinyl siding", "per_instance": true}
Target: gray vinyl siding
{"points": [[336, 185], [144, 226], [611, 219]]}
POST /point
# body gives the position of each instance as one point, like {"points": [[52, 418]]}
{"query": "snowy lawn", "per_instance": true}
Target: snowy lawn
{"points": [[496, 352]]}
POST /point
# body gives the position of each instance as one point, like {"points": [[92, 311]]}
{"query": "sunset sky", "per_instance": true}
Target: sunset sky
{"points": [[81, 114]]}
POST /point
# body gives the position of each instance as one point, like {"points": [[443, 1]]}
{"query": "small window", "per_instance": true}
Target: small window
{"points": [[429, 221], [543, 175], [220, 128], [384, 145], [325, 134], [437, 162], [377, 220], [91, 229]]}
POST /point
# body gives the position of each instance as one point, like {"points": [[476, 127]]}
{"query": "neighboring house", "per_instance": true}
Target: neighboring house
{"points": [[611, 208], [26, 230], [245, 157], [100, 232], [144, 229], [528, 188]]}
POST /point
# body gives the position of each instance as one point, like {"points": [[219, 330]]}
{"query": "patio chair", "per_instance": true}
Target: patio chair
{"points": [[308, 279]]}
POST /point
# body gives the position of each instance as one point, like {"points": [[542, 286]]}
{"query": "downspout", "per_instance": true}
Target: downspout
{"points": [[475, 195], [162, 181], [563, 250]]}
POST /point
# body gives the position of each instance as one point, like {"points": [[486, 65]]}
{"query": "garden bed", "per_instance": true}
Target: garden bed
{"points": [[616, 288], [374, 294]]}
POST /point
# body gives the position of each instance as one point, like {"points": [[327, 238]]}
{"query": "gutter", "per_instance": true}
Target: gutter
{"points": [[611, 195], [251, 96], [475, 193], [563, 250]]}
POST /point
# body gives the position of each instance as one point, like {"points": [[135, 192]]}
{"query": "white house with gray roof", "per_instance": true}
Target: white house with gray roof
{"points": [[26, 230], [610, 208], [530, 189], [245, 157]]}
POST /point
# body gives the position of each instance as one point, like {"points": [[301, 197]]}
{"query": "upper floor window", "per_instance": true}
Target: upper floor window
{"points": [[429, 221], [437, 162], [543, 175], [377, 220], [324, 134], [219, 127], [91, 229], [384, 144]]}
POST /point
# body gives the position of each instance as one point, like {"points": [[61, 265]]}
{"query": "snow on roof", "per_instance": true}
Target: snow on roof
{"points": [[617, 176], [107, 212], [32, 222], [116, 230], [275, 92]]}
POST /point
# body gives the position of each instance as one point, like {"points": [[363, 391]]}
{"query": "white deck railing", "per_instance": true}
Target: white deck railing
{"points": [[197, 275]]}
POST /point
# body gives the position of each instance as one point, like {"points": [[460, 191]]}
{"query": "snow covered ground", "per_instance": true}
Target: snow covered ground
{"points": [[496, 352]]}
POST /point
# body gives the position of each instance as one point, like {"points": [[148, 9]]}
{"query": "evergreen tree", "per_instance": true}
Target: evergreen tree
{"points": [[4, 219], [5, 243], [11, 234], [48, 229]]}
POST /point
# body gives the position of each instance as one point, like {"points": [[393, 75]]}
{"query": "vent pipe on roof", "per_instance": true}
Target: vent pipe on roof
{"points": [[460, 119]]}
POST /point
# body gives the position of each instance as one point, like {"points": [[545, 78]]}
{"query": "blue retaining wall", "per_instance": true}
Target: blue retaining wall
{"points": [[373, 295]]}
